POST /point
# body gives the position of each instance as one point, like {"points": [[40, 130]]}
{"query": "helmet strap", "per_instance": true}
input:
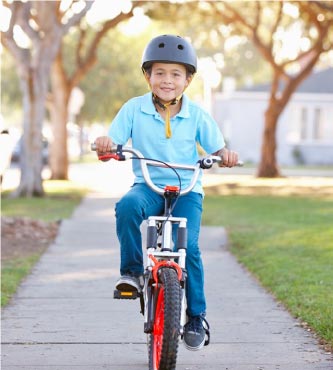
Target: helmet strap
{"points": [[166, 107]]}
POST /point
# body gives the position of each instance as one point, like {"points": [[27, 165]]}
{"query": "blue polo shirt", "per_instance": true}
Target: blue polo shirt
{"points": [[139, 121]]}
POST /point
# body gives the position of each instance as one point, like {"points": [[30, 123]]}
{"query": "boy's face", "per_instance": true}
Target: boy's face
{"points": [[168, 81]]}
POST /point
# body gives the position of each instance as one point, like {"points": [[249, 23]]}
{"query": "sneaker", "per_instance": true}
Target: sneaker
{"points": [[129, 283], [196, 333]]}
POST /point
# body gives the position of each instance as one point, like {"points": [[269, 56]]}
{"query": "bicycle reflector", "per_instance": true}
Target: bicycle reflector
{"points": [[171, 189], [117, 294]]}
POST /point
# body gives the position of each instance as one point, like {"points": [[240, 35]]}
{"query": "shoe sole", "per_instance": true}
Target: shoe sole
{"points": [[194, 348]]}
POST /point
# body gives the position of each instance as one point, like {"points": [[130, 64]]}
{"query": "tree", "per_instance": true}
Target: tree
{"points": [[44, 25], [315, 22], [116, 78], [84, 57], [10, 89]]}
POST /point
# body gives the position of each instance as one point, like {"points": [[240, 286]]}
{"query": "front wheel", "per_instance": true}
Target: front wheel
{"points": [[163, 341]]}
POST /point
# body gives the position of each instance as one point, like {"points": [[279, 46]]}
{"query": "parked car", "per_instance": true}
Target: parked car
{"points": [[6, 145], [16, 154]]}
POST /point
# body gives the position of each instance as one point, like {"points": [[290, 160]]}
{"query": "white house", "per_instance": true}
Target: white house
{"points": [[305, 128]]}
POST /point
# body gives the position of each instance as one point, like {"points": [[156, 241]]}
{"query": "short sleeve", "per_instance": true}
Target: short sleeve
{"points": [[120, 130], [209, 134]]}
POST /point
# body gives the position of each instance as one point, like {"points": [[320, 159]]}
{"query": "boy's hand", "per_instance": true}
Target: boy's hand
{"points": [[229, 158], [103, 145]]}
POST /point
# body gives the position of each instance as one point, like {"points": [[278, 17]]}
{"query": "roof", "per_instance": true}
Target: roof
{"points": [[320, 82]]}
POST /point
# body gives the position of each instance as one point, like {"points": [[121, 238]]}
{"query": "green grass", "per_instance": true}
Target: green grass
{"points": [[61, 198], [287, 243], [12, 273]]}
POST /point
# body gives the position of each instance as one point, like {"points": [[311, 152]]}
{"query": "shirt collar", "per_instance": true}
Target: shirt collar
{"points": [[147, 106]]}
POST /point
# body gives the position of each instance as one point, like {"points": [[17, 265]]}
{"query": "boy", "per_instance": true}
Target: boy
{"points": [[165, 125]]}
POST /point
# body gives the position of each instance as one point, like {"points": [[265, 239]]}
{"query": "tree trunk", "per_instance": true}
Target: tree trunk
{"points": [[59, 117], [34, 92], [268, 164], [42, 23]]}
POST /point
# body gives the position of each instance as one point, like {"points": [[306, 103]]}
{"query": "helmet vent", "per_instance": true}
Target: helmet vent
{"points": [[180, 47], [161, 45]]}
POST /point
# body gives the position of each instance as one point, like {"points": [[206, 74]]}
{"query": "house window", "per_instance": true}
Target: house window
{"points": [[304, 124], [318, 124], [313, 124]]}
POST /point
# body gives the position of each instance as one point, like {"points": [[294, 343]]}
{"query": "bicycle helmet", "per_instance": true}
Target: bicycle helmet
{"points": [[170, 49]]}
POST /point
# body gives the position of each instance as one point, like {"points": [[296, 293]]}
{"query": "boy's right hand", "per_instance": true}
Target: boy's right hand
{"points": [[103, 145]]}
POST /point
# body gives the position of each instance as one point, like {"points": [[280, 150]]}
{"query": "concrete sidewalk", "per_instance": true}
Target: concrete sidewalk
{"points": [[64, 318]]}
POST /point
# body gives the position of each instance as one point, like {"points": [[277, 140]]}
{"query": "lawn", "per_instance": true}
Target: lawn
{"points": [[61, 198], [287, 243]]}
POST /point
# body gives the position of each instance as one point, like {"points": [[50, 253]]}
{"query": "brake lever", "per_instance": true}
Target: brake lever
{"points": [[117, 155]]}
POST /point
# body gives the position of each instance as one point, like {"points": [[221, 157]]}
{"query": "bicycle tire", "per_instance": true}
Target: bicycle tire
{"points": [[164, 339]]}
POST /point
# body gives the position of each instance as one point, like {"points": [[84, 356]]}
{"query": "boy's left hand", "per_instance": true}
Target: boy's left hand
{"points": [[229, 158]]}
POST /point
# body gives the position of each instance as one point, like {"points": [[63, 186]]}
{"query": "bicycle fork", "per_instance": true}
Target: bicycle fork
{"points": [[160, 254]]}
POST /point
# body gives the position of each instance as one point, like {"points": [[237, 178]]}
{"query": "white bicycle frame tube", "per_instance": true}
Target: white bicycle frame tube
{"points": [[144, 163]]}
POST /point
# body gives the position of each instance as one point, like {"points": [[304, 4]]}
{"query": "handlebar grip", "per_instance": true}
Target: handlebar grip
{"points": [[208, 162], [219, 159], [116, 152]]}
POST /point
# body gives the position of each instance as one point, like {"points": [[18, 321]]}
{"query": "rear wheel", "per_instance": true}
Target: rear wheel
{"points": [[163, 341]]}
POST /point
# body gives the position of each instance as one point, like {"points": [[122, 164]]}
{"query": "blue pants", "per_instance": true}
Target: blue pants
{"points": [[140, 203]]}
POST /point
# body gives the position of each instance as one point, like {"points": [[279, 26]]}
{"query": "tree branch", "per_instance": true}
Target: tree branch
{"points": [[76, 17], [20, 55], [23, 17], [258, 14], [276, 23], [236, 17], [91, 58], [265, 50], [80, 45], [323, 5]]}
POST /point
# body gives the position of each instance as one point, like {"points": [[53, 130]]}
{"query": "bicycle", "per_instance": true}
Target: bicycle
{"points": [[163, 296]]}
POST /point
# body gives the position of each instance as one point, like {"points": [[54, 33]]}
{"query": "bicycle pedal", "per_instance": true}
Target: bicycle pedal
{"points": [[118, 294]]}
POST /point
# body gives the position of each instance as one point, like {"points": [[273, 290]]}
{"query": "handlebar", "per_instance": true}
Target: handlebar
{"points": [[118, 152]]}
